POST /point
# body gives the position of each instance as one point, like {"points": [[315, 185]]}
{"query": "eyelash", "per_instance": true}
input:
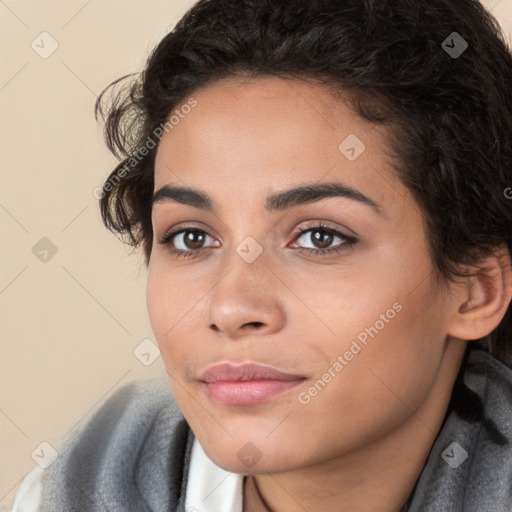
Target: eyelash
{"points": [[347, 244]]}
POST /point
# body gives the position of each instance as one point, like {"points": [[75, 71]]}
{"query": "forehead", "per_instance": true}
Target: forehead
{"points": [[271, 133], [270, 111]]}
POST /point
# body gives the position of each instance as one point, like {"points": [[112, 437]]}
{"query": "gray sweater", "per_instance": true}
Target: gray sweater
{"points": [[133, 455]]}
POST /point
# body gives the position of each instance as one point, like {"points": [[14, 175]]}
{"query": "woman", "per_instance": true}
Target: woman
{"points": [[322, 193]]}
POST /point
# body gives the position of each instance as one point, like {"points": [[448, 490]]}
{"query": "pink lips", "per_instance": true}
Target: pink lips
{"points": [[247, 383]]}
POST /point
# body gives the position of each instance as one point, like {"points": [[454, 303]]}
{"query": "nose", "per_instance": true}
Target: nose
{"points": [[247, 300]]}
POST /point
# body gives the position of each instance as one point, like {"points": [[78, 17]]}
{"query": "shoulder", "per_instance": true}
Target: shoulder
{"points": [[470, 464], [124, 454]]}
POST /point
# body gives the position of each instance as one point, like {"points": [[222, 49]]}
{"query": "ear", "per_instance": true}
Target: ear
{"points": [[482, 303]]}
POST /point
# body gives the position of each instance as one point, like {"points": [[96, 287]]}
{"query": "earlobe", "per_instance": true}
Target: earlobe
{"points": [[487, 298]]}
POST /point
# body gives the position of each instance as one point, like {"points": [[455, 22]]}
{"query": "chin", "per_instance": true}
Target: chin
{"points": [[251, 455], [234, 465]]}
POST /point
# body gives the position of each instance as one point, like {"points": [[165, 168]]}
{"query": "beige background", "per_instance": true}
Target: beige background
{"points": [[69, 325]]}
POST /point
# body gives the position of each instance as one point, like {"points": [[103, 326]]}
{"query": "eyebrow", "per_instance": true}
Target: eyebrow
{"points": [[280, 201]]}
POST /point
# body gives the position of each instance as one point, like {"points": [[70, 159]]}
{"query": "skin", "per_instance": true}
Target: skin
{"points": [[361, 442]]}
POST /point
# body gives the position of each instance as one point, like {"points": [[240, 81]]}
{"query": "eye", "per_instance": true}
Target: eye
{"points": [[321, 237], [191, 241]]}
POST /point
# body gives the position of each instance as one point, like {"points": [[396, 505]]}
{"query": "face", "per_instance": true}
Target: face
{"points": [[335, 290]]}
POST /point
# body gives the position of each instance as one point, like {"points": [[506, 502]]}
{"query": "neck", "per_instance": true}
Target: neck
{"points": [[380, 476]]}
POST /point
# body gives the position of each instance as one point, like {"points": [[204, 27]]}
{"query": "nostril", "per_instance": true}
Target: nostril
{"points": [[256, 324]]}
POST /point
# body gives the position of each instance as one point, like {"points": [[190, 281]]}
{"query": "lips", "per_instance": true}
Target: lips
{"points": [[247, 383], [247, 371]]}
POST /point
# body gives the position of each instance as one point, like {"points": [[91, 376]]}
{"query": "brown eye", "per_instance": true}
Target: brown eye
{"points": [[321, 238], [193, 239], [186, 242]]}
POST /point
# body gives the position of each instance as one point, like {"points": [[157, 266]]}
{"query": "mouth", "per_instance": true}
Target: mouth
{"points": [[247, 383]]}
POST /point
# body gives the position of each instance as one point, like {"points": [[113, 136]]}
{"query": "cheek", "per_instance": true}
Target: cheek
{"points": [[164, 307], [173, 305], [156, 299], [389, 335], [168, 298], [377, 389]]}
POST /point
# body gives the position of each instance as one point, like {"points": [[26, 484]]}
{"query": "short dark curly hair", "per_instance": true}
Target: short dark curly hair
{"points": [[449, 115]]}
